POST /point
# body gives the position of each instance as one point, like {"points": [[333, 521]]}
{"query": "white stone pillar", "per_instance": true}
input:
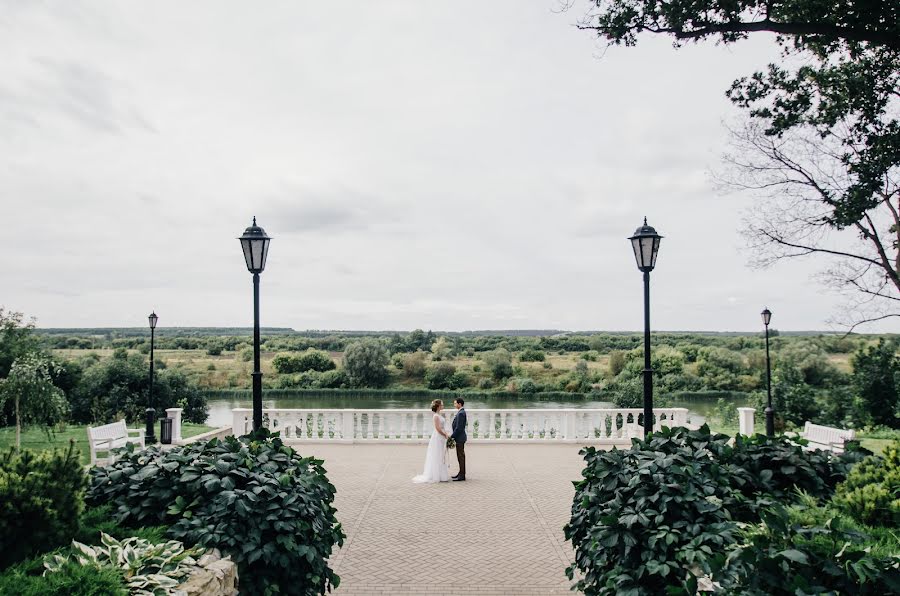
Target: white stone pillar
{"points": [[745, 421], [347, 425], [175, 415], [680, 418], [239, 421]]}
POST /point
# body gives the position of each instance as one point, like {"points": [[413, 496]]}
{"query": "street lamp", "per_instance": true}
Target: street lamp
{"points": [[645, 243], [770, 412], [255, 244], [151, 413]]}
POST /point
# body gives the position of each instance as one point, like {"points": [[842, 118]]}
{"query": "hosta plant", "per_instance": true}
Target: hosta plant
{"points": [[149, 569]]}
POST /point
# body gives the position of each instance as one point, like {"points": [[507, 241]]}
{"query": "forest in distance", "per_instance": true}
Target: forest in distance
{"points": [[826, 377]]}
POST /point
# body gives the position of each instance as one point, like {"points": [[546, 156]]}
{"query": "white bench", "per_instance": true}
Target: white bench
{"points": [[110, 436], [825, 437]]}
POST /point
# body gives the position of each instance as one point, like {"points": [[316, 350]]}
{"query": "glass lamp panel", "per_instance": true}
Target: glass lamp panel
{"points": [[655, 251], [245, 245], [766, 317], [647, 252], [153, 318], [636, 245], [256, 251], [265, 254]]}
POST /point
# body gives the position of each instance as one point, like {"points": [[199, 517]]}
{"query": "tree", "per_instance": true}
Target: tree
{"points": [[365, 363], [30, 388], [443, 375], [441, 349], [16, 339], [499, 362], [414, 365], [799, 178], [876, 372], [842, 92]]}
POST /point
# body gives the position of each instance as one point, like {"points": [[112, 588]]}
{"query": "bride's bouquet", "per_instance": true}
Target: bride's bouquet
{"points": [[451, 443]]}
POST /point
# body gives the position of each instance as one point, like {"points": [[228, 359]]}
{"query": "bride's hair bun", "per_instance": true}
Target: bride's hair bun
{"points": [[436, 404]]}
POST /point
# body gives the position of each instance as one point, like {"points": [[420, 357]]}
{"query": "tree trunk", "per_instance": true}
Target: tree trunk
{"points": [[18, 425]]}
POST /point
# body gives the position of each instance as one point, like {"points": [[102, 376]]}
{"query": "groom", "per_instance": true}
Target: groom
{"points": [[459, 435]]}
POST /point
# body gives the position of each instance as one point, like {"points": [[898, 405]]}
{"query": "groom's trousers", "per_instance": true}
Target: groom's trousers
{"points": [[461, 456]]}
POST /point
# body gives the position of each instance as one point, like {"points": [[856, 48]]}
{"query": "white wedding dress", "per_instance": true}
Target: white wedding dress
{"points": [[437, 465]]}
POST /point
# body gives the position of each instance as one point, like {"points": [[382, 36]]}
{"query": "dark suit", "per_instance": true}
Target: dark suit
{"points": [[459, 435]]}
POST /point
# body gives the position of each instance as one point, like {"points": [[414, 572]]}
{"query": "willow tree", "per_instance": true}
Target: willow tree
{"points": [[30, 388]]}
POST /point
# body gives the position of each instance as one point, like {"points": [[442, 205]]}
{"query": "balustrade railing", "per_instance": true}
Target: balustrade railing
{"points": [[484, 425]]}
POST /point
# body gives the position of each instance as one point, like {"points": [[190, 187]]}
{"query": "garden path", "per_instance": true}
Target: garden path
{"points": [[500, 532]]}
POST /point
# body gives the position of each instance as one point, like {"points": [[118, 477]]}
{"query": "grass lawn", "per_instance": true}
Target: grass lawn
{"points": [[36, 439]]}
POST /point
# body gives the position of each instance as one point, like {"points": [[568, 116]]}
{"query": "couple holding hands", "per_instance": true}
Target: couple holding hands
{"points": [[437, 464]]}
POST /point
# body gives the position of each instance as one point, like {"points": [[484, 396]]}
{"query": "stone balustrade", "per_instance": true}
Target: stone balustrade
{"points": [[599, 426]]}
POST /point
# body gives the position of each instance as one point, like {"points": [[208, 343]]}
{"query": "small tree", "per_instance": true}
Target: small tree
{"points": [[441, 349], [499, 362], [365, 363], [414, 365], [876, 371], [440, 376], [30, 387]]}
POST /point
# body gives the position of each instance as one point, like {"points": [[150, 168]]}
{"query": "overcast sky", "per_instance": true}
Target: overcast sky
{"points": [[462, 165]]}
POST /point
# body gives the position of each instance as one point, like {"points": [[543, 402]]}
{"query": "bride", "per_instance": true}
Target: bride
{"points": [[437, 468]]}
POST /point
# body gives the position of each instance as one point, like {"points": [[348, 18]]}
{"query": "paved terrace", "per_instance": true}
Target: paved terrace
{"points": [[500, 532]]}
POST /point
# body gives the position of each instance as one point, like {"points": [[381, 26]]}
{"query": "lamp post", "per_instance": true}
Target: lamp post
{"points": [[255, 244], [770, 412], [151, 413], [645, 243]]}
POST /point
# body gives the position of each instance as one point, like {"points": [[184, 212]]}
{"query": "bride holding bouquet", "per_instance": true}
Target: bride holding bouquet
{"points": [[437, 465]]}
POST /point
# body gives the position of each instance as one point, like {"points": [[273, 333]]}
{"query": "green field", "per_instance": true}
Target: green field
{"points": [[38, 440]]}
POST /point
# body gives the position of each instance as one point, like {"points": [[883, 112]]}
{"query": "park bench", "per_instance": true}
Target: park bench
{"points": [[825, 437], [110, 436]]}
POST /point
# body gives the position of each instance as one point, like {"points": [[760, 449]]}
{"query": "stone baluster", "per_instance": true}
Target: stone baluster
{"points": [[175, 415], [745, 421]]}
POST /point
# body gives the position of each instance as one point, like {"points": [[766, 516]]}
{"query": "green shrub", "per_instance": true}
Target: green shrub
{"points": [[656, 517], [314, 360], [650, 518], [532, 355], [776, 467], [590, 356], [414, 365], [71, 579], [499, 362], [440, 376], [792, 552], [41, 498], [253, 498], [523, 385], [871, 493]]}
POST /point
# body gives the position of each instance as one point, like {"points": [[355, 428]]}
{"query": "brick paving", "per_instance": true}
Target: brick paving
{"points": [[498, 533]]}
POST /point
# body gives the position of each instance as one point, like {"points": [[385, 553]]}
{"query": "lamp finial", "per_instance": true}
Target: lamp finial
{"points": [[645, 220], [254, 220]]}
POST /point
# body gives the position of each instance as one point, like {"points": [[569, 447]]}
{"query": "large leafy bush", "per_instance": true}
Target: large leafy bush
{"points": [[871, 494], [651, 517], [806, 549], [41, 497], [253, 498], [655, 518]]}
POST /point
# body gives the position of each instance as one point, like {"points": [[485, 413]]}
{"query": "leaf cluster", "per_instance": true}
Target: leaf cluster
{"points": [[253, 498]]}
